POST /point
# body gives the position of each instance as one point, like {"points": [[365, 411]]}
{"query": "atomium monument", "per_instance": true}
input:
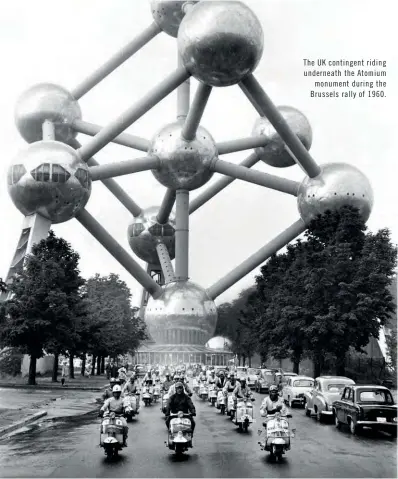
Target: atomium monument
{"points": [[220, 43]]}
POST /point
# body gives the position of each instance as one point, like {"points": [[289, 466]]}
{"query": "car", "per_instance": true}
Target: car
{"points": [[366, 407], [241, 372], [296, 386], [140, 370], [265, 380], [282, 377], [252, 376], [327, 389]]}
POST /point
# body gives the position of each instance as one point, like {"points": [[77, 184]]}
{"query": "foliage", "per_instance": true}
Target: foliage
{"points": [[10, 361], [3, 286]]}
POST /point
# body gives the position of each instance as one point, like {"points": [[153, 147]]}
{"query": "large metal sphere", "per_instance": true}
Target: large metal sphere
{"points": [[184, 164], [183, 305], [49, 178], [275, 153], [219, 342], [168, 14], [338, 184], [145, 233], [46, 101], [220, 42]]}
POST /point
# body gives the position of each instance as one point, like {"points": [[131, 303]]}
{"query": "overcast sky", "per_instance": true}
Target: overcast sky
{"points": [[63, 42]]}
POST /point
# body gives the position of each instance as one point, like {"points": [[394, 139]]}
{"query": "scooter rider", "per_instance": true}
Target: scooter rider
{"points": [[202, 376], [221, 381], [212, 378], [180, 402], [177, 380], [148, 378], [273, 403], [186, 387], [156, 376], [115, 405], [231, 384], [122, 375], [109, 392], [130, 387], [242, 391], [167, 383]]}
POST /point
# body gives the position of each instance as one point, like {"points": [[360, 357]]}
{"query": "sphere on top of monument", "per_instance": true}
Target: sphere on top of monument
{"points": [[220, 42], [275, 152], [168, 14], [184, 164], [145, 233], [46, 101], [219, 342], [338, 184], [49, 178], [183, 304]]}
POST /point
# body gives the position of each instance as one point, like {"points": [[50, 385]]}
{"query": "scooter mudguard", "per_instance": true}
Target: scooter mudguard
{"points": [[110, 440]]}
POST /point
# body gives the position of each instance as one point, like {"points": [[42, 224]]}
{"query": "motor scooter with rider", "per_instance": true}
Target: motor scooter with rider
{"points": [[131, 401], [243, 415], [277, 432], [221, 395], [229, 389], [212, 392]]}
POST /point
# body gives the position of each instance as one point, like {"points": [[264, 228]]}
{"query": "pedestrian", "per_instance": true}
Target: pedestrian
{"points": [[63, 373], [108, 370], [114, 370]]}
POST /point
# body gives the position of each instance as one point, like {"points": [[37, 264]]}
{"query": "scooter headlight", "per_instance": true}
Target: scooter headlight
{"points": [[180, 414]]}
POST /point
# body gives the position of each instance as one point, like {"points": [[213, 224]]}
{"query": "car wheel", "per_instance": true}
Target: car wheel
{"points": [[307, 411], [353, 427], [319, 416], [337, 423]]}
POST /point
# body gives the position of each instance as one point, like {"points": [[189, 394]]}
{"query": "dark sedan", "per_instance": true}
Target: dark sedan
{"points": [[366, 406]]}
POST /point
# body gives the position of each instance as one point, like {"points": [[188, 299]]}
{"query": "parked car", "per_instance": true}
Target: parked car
{"points": [[252, 377], [366, 406], [281, 378], [241, 372], [296, 386], [265, 380], [326, 390]]}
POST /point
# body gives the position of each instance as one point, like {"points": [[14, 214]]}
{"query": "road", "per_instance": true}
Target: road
{"points": [[69, 448]]}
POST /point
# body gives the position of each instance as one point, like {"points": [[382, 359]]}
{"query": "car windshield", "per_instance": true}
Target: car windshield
{"points": [[303, 383], [253, 371], [335, 387], [375, 395]]}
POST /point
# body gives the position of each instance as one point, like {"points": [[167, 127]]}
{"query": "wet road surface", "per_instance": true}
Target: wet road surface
{"points": [[69, 448]]}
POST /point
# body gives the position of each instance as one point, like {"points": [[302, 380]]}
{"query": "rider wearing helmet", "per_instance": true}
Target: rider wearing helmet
{"points": [[221, 380], [115, 404], [230, 385], [130, 387], [180, 402], [148, 378], [186, 387], [108, 393], [167, 383], [212, 378], [242, 390], [156, 376], [273, 403]]}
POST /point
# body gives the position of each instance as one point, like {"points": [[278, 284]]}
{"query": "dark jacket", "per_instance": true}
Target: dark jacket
{"points": [[180, 402]]}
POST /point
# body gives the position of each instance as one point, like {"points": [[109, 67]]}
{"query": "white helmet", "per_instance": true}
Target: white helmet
{"points": [[116, 389]]}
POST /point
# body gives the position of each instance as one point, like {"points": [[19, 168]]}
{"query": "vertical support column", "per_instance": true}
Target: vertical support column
{"points": [[48, 130], [182, 235], [183, 95]]}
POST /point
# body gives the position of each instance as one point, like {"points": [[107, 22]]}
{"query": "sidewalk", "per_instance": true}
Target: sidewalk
{"points": [[94, 383], [20, 406]]}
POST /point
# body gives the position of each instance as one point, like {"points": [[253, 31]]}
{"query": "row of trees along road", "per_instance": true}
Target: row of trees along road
{"points": [[54, 310], [325, 294]]}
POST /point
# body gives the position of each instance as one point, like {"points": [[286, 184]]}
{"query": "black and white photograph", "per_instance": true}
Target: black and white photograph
{"points": [[199, 239]]}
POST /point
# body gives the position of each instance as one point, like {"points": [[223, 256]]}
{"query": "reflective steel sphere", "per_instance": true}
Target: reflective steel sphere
{"points": [[219, 342], [220, 42], [46, 101], [49, 178], [184, 164], [168, 14], [337, 185], [144, 233], [183, 305], [275, 153]]}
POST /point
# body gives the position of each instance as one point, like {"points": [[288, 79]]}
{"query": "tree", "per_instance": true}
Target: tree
{"points": [[3, 286], [45, 295]]}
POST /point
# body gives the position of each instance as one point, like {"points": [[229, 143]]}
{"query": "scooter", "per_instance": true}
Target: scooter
{"points": [[130, 406], [231, 405], [111, 435], [180, 433], [156, 392], [165, 398], [147, 395], [203, 392], [195, 386], [243, 416], [277, 435], [221, 400], [212, 394]]}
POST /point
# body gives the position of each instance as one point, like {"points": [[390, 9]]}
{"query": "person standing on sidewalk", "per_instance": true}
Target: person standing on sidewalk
{"points": [[63, 373], [108, 370]]}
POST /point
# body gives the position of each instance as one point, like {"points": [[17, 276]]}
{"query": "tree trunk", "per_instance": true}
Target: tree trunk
{"points": [[318, 364], [98, 365], [32, 370], [340, 365], [93, 365], [250, 361], [55, 368], [71, 367], [296, 366], [103, 365], [243, 360], [83, 368]]}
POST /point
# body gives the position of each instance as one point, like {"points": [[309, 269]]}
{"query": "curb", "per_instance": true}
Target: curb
{"points": [[23, 422], [38, 387]]}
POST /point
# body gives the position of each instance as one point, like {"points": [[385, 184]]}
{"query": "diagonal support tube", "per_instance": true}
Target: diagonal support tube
{"points": [[111, 131], [241, 144], [251, 99], [124, 139], [300, 153], [165, 263], [195, 113], [111, 170], [114, 188], [182, 235], [119, 253], [183, 95], [166, 206], [256, 259], [116, 60], [257, 177], [219, 185]]}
